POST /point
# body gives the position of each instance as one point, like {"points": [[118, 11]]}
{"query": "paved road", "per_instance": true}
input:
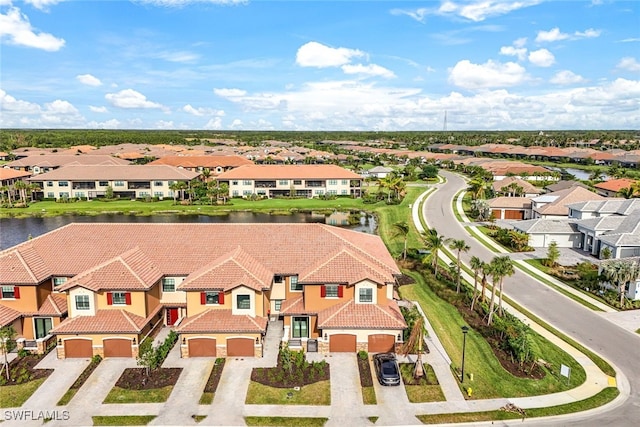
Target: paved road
{"points": [[619, 346]]}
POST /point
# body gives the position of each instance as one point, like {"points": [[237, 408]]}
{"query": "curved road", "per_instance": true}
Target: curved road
{"points": [[619, 346]]}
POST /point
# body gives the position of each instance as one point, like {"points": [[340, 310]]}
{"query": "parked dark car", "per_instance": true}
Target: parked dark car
{"points": [[387, 369]]}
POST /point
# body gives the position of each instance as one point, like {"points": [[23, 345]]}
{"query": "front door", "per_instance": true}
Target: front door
{"points": [[172, 316], [300, 327]]}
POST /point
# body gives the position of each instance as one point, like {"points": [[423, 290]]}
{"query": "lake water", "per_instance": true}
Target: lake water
{"points": [[18, 230], [578, 173]]}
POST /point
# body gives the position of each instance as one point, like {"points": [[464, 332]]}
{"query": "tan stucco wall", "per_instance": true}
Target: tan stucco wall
{"points": [[27, 303], [152, 298], [194, 307], [138, 306]]}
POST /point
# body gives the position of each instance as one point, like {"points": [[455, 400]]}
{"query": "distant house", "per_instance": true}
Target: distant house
{"points": [[8, 179], [563, 185], [291, 180], [512, 186], [91, 182], [613, 186], [555, 204], [510, 208], [215, 164], [378, 172], [48, 162]]}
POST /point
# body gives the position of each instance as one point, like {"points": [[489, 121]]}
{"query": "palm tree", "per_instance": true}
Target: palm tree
{"points": [[478, 188], [506, 269], [174, 187], [499, 268], [21, 186], [401, 229], [223, 191], [434, 242], [6, 189], [596, 175], [476, 265], [619, 273], [32, 188], [416, 339], [627, 192], [459, 246]]}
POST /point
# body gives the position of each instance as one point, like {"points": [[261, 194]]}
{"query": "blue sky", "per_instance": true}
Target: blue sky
{"points": [[327, 65]]}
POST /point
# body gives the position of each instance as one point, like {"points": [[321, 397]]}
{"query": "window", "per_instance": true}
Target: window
{"points": [[331, 291], [158, 183], [277, 304], [277, 279], [365, 295], [103, 183], [80, 194], [63, 184], [332, 192], [235, 193], [300, 327], [243, 302], [144, 193], [343, 192], [345, 182], [158, 194], [319, 192], [43, 325], [10, 292], [118, 184], [293, 284], [212, 298], [234, 182], [64, 194], [283, 182], [118, 298], [247, 192], [168, 284], [49, 183], [51, 195], [333, 182], [247, 182], [297, 182], [57, 281], [82, 302]]}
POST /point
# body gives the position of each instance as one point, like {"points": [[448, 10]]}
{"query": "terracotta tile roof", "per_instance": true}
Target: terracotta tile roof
{"points": [[6, 173], [616, 184], [8, 315], [288, 172], [113, 173], [350, 315], [181, 249], [104, 321], [510, 202], [22, 265], [230, 271], [527, 187], [564, 198], [189, 161], [343, 266], [59, 160], [131, 270], [55, 305], [222, 321], [294, 305]]}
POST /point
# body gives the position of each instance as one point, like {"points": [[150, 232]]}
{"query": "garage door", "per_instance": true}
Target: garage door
{"points": [[240, 347], [381, 343], [78, 348], [117, 348], [496, 213], [342, 343], [513, 214], [202, 347]]}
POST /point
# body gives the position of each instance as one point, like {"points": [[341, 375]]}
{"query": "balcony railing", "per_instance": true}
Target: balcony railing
{"points": [[84, 185], [316, 184], [139, 185], [265, 184]]}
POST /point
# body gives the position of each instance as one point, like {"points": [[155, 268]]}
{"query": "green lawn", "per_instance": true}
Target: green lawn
{"points": [[13, 396], [66, 398], [605, 396], [122, 420], [491, 380], [392, 214], [206, 398], [313, 394], [95, 207], [369, 396], [155, 395], [428, 391], [286, 421]]}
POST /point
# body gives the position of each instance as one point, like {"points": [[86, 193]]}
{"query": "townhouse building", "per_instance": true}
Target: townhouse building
{"points": [[43, 163], [214, 164]]}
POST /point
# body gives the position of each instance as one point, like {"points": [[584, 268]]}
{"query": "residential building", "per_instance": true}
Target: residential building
{"points": [[214, 164], [512, 186], [377, 172], [332, 287], [47, 162], [555, 204], [518, 208], [291, 180], [130, 181], [8, 179], [612, 187]]}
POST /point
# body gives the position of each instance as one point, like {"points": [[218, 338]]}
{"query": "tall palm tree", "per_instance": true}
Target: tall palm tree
{"points": [[174, 187], [499, 268], [619, 273], [627, 192], [401, 229], [476, 265], [416, 339], [506, 269], [21, 186], [434, 242], [459, 246]]}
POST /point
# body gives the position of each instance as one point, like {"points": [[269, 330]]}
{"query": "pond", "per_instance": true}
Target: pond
{"points": [[17, 230]]}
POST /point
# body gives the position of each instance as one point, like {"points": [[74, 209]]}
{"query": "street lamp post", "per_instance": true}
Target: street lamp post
{"points": [[465, 329]]}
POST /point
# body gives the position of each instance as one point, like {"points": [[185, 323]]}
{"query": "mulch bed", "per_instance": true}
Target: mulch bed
{"points": [[280, 377], [86, 373], [137, 379], [23, 370], [214, 377], [366, 380]]}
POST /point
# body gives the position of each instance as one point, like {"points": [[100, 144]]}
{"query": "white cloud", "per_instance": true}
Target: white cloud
{"points": [[473, 10], [16, 29], [98, 109], [109, 124], [180, 3], [129, 98], [202, 111], [521, 42], [370, 70], [229, 93], [628, 63], [630, 40], [588, 34], [566, 77], [162, 124], [468, 75], [215, 123], [43, 4], [60, 107], [417, 14], [520, 52], [552, 35], [181, 56], [542, 58], [88, 79], [314, 54], [236, 124], [10, 104]]}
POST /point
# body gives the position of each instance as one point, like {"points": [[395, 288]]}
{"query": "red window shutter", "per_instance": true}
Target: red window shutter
{"points": [[323, 291], [127, 298], [221, 297], [203, 298], [340, 291], [16, 292], [109, 298]]}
